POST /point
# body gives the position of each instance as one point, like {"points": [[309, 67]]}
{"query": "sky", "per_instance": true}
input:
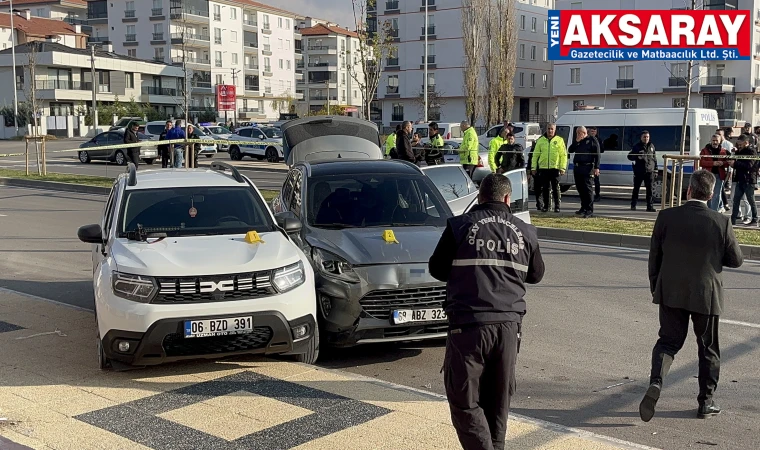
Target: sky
{"points": [[339, 11]]}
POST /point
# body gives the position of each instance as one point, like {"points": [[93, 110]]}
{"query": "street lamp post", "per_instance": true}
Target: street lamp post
{"points": [[15, 84], [234, 83], [425, 81]]}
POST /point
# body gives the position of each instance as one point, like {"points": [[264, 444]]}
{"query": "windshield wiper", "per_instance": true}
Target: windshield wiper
{"points": [[335, 225], [142, 236]]}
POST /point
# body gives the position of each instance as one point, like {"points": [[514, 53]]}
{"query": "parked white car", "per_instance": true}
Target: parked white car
{"points": [[217, 132], [526, 134], [256, 142], [194, 265]]}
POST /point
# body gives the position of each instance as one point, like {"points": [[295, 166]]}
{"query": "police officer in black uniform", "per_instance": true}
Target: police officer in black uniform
{"points": [[486, 256], [585, 168]]}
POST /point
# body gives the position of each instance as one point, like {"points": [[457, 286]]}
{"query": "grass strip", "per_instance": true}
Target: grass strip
{"points": [[622, 226], [86, 180]]}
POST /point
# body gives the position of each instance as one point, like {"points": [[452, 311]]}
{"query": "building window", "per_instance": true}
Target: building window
{"points": [[219, 79], [233, 36], [218, 13], [533, 80], [546, 26], [392, 84], [522, 51], [287, 24], [281, 64], [287, 64], [757, 106], [532, 52], [132, 52], [625, 72], [679, 102], [398, 112], [218, 59], [628, 103], [576, 5], [279, 22], [522, 79], [217, 35], [575, 75], [545, 81], [522, 22], [578, 104], [537, 108], [234, 59], [158, 53], [533, 24], [233, 13], [130, 80], [546, 56]]}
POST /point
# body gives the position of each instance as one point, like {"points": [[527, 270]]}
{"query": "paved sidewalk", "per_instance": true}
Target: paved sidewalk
{"points": [[52, 396]]}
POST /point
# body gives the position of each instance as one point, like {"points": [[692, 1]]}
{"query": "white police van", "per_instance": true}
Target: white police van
{"points": [[620, 129]]}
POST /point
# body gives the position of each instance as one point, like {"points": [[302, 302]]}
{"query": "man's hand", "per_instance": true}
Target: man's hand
{"points": [[596, 172], [718, 163], [532, 172], [561, 172]]}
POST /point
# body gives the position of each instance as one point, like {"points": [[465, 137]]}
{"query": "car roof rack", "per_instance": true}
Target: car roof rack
{"points": [[132, 178], [221, 167]]}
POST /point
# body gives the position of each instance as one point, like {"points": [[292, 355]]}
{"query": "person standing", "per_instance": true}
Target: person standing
{"points": [[549, 161], [644, 170], [130, 137], [434, 156], [177, 133], [485, 305], [751, 138], [690, 246], [745, 173], [468, 150], [195, 148], [404, 149], [510, 156], [164, 149], [592, 131], [717, 167], [729, 148], [585, 167], [494, 146], [390, 142]]}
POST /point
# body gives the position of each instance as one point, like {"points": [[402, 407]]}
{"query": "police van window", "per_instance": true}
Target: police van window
{"points": [[245, 132], [563, 131], [610, 138], [534, 130], [422, 131], [666, 139], [517, 130], [451, 181], [456, 132], [493, 132], [519, 196], [705, 134]]}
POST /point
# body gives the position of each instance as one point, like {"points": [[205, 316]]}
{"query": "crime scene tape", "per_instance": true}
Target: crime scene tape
{"points": [[142, 144]]}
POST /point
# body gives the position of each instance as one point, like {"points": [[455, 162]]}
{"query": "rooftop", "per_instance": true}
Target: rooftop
{"points": [[37, 26], [180, 178], [81, 3], [44, 46], [326, 30], [363, 166]]}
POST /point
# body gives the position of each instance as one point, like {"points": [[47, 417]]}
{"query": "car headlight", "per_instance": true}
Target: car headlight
{"points": [[288, 277], [137, 288], [334, 266]]}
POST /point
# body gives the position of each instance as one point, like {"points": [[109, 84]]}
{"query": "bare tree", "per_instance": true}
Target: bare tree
{"points": [[375, 47], [507, 57], [31, 97], [472, 40], [185, 32], [436, 100]]}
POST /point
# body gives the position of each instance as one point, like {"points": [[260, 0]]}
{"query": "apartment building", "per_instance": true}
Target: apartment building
{"points": [[330, 70], [400, 93], [73, 10], [27, 28], [730, 87], [237, 42], [63, 79]]}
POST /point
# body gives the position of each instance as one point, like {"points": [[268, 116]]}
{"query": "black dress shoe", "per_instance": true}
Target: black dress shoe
{"points": [[543, 210], [708, 410], [633, 208], [588, 214], [646, 407], [580, 212], [556, 209], [651, 210], [598, 198]]}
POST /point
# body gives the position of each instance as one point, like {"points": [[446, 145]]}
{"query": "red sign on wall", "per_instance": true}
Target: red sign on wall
{"points": [[225, 97]]}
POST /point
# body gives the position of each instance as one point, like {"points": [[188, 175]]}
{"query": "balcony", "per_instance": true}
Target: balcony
{"points": [[191, 39], [218, 63], [267, 71], [130, 40], [201, 85], [157, 14], [248, 112], [159, 58], [624, 86], [130, 15], [717, 84], [391, 7], [97, 18], [252, 87], [249, 46], [267, 49], [63, 84], [267, 28], [299, 76], [430, 33], [323, 49], [430, 5], [251, 24], [98, 40], [251, 67], [430, 62], [300, 65], [626, 83], [297, 32], [218, 40], [192, 60], [327, 65], [158, 38], [393, 33], [392, 64], [190, 15], [322, 98], [431, 88], [268, 91], [155, 90]]}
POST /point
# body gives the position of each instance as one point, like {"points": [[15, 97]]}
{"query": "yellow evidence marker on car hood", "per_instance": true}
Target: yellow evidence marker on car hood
{"points": [[389, 237]]}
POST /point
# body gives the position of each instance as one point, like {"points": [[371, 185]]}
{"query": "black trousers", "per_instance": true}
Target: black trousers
{"points": [[479, 376], [133, 154], [549, 181], [584, 183], [674, 327], [597, 186], [537, 190], [166, 159], [647, 179], [470, 169]]}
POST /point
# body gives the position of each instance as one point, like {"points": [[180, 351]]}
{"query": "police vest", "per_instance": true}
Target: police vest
{"points": [[487, 281]]}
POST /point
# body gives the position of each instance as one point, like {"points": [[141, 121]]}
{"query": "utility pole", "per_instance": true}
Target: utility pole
{"points": [[15, 84], [328, 95], [425, 76], [94, 89], [234, 83]]}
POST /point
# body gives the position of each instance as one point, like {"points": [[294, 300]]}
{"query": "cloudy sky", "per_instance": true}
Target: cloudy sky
{"points": [[333, 10]]}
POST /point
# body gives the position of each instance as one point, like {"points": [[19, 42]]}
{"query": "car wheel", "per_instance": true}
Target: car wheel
{"points": [[235, 153], [103, 362], [657, 190], [149, 161], [271, 155], [119, 158], [84, 157], [312, 353]]}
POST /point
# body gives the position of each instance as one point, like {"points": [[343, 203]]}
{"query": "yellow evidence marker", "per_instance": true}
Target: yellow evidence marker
{"points": [[253, 237], [389, 237]]}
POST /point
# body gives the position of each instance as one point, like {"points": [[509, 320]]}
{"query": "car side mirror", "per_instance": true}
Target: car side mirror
{"points": [[289, 224], [90, 234]]}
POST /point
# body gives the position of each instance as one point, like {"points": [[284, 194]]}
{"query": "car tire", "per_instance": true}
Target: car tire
{"points": [[235, 153], [271, 155], [84, 157], [312, 353], [149, 161], [103, 362], [119, 158]]}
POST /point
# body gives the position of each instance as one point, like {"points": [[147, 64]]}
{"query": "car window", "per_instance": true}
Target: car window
{"points": [[493, 132], [287, 189], [295, 199], [456, 132], [156, 129], [272, 133], [666, 139], [108, 211], [534, 130], [518, 180], [245, 132], [114, 138], [374, 200], [194, 211], [610, 138], [451, 181]]}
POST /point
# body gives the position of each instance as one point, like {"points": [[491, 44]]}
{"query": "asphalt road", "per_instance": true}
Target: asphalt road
{"points": [[587, 336]]}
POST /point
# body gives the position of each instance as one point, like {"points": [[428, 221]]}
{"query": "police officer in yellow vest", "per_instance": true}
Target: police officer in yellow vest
{"points": [[468, 151], [434, 154], [390, 142], [549, 162], [494, 147]]}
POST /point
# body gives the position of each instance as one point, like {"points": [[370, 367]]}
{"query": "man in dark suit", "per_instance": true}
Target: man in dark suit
{"points": [[690, 246]]}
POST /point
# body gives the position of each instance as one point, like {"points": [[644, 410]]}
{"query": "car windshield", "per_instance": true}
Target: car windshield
{"points": [[272, 133], [194, 211], [219, 130], [374, 200]]}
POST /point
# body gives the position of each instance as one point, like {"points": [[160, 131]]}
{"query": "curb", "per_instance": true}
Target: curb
{"points": [[55, 186], [751, 252]]}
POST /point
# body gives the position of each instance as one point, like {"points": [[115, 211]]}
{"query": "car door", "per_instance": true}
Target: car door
{"points": [[518, 178], [101, 140], [454, 184]]}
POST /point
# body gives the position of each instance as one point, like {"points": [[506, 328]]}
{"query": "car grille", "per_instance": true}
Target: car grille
{"points": [[379, 304], [216, 288], [176, 345]]}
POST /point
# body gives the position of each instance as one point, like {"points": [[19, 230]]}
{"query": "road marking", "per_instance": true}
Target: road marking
{"points": [[741, 324]]}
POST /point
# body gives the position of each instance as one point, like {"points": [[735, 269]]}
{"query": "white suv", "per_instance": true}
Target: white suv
{"points": [[194, 265]]}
